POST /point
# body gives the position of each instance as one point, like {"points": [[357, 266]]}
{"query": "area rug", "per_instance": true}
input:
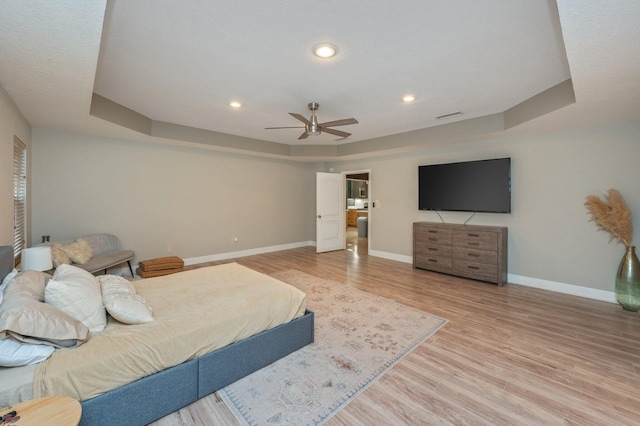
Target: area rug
{"points": [[358, 337]]}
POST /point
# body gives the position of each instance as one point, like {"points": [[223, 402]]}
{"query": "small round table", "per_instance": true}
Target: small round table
{"points": [[51, 410]]}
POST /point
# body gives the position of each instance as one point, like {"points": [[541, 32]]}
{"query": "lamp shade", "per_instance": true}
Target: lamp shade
{"points": [[36, 259]]}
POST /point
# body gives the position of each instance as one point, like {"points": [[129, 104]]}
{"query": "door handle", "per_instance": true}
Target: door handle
{"points": [[319, 216]]}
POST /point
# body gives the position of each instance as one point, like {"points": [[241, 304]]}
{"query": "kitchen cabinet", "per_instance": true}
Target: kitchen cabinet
{"points": [[354, 214], [352, 217]]}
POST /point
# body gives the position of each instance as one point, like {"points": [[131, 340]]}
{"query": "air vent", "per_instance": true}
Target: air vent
{"points": [[451, 114]]}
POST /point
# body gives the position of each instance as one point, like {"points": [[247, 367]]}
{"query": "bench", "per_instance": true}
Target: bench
{"points": [[107, 252]]}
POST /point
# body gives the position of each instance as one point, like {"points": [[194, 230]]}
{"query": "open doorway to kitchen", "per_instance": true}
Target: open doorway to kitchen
{"points": [[358, 217]]}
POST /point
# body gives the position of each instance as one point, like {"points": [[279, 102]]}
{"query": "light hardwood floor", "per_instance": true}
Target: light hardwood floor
{"points": [[509, 355]]}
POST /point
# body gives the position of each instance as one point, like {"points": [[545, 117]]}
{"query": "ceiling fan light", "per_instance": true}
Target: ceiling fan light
{"points": [[324, 51], [235, 104], [313, 129], [408, 98]]}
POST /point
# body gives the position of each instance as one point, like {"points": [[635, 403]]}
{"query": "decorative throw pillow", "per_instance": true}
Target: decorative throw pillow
{"points": [[122, 302], [14, 354], [58, 256], [79, 252], [77, 293], [25, 318]]}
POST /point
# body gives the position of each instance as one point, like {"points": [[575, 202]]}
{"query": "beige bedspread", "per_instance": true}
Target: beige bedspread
{"points": [[195, 312]]}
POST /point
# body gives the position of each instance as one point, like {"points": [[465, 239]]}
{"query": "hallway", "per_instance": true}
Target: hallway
{"points": [[356, 244]]}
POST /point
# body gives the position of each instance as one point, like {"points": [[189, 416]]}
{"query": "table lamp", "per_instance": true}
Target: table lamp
{"points": [[36, 259]]}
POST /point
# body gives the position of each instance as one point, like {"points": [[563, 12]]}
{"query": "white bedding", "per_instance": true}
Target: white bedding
{"points": [[16, 384]]}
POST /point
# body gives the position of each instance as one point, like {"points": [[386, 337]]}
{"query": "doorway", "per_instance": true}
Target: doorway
{"points": [[358, 216]]}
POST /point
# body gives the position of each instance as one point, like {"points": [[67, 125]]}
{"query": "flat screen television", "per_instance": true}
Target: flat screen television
{"points": [[472, 186]]}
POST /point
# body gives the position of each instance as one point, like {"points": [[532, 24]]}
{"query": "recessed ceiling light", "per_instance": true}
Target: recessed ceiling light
{"points": [[324, 51], [408, 98], [235, 104]]}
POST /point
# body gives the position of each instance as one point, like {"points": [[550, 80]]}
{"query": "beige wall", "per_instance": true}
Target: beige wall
{"points": [[197, 200], [550, 237], [152, 195], [12, 123]]}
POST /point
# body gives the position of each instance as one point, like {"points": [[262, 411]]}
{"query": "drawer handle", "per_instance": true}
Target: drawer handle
{"points": [[473, 267], [433, 239], [431, 231], [432, 249], [432, 260], [473, 255], [474, 244], [473, 235]]}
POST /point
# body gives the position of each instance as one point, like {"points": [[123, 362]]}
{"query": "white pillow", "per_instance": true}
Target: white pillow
{"points": [[76, 292], [5, 281], [122, 302], [14, 354]]}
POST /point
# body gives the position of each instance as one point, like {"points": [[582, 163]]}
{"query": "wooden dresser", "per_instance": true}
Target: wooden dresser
{"points": [[471, 251]]}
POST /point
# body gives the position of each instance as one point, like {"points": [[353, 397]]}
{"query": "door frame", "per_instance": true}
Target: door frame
{"points": [[370, 209]]}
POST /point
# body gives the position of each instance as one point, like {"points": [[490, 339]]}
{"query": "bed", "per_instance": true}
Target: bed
{"points": [[168, 373]]}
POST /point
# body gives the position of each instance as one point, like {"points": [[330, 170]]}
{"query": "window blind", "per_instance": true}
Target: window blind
{"points": [[19, 197]]}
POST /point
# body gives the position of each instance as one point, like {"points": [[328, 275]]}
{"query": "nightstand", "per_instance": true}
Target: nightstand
{"points": [[51, 410]]}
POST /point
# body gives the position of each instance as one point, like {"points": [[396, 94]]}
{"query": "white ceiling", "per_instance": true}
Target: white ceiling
{"points": [[182, 62]]}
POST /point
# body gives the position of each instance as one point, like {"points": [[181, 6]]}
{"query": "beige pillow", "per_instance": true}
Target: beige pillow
{"points": [[122, 302], [79, 252], [77, 293], [58, 256], [25, 317], [28, 284]]}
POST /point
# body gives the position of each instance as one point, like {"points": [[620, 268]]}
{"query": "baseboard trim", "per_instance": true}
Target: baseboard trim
{"points": [[224, 256], [391, 256], [574, 290], [244, 253]]}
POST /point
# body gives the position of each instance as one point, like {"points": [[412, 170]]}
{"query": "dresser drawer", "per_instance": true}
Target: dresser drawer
{"points": [[476, 270], [475, 255], [476, 239], [433, 235], [435, 263], [428, 249], [470, 251]]}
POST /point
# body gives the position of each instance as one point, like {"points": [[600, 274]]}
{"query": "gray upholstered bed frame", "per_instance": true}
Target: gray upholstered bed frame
{"points": [[153, 397]]}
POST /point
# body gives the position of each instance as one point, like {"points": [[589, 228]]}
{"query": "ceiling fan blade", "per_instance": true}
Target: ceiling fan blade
{"points": [[336, 132], [303, 136], [301, 118], [296, 127], [342, 122]]}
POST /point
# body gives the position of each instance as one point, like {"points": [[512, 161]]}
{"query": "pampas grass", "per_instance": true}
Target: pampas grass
{"points": [[611, 215]]}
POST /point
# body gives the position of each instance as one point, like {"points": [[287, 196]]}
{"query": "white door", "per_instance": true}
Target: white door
{"points": [[330, 212]]}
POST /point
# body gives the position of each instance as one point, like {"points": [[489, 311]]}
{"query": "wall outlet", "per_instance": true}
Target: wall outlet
{"points": [[169, 248]]}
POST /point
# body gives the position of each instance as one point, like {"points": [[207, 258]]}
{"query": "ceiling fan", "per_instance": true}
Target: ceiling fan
{"points": [[312, 127]]}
